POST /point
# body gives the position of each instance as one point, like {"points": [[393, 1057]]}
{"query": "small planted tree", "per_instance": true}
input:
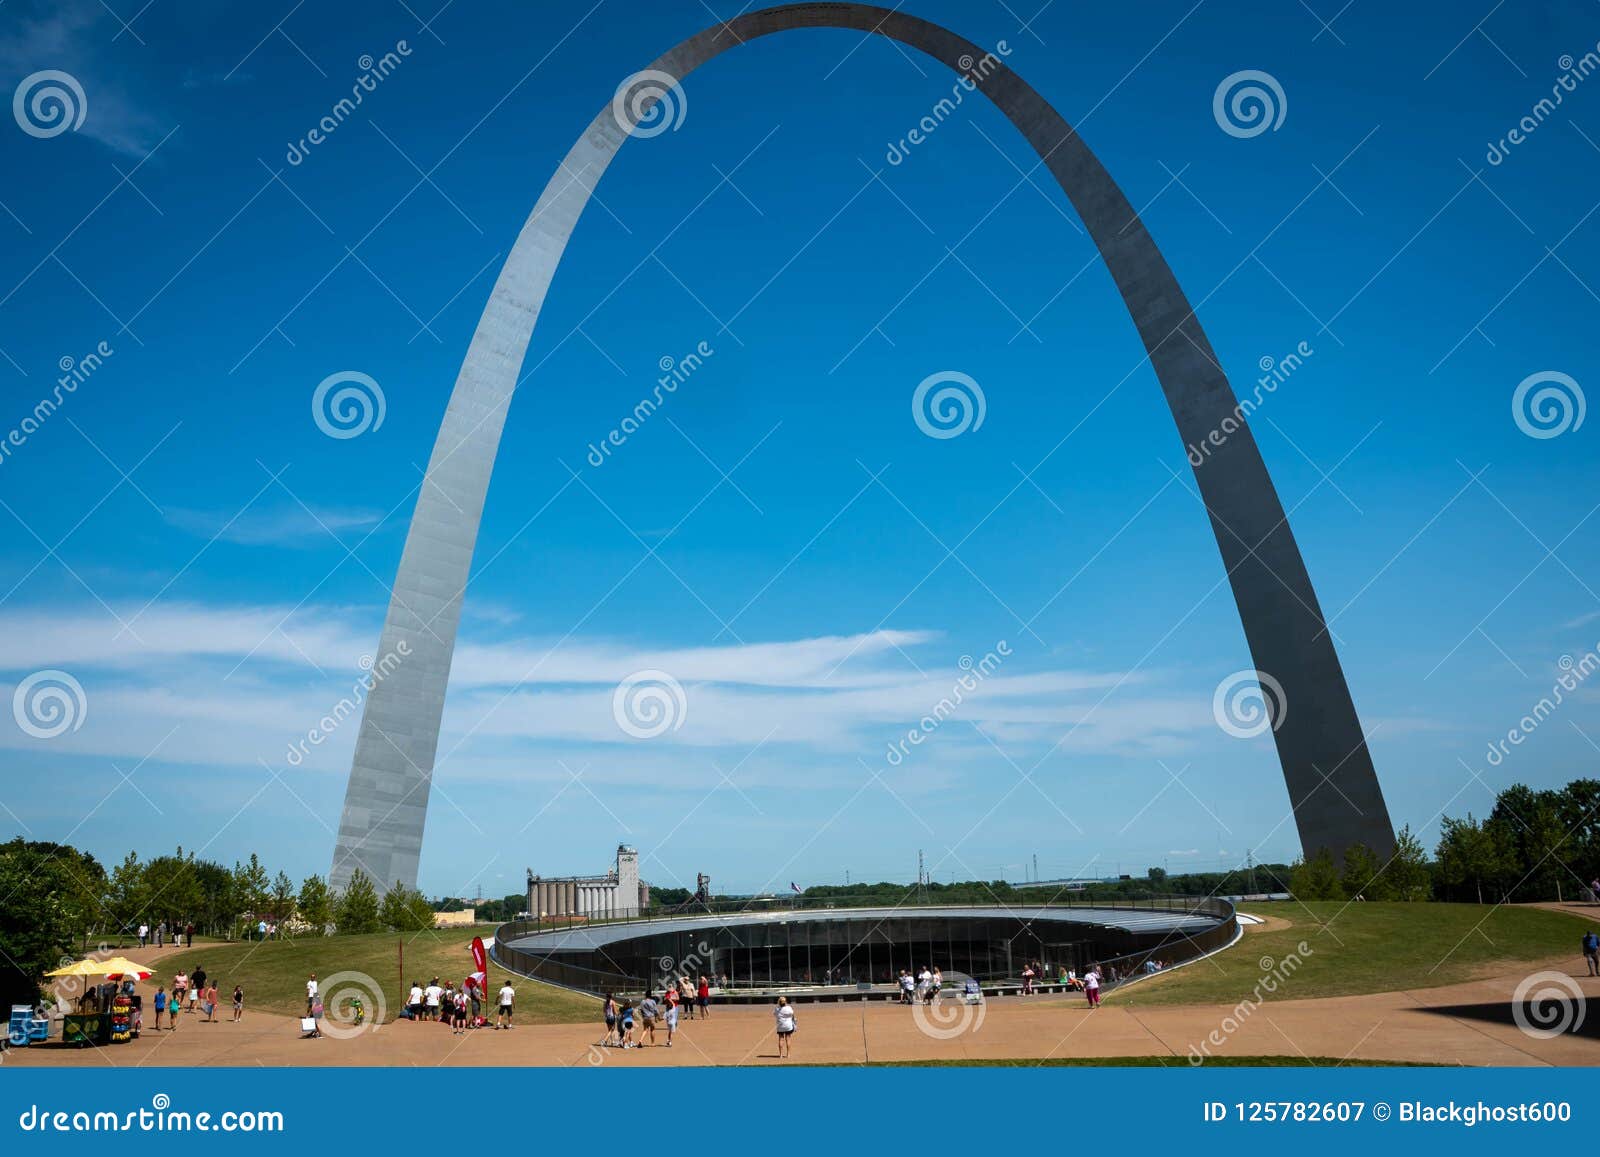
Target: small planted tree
{"points": [[356, 910], [1316, 878]]}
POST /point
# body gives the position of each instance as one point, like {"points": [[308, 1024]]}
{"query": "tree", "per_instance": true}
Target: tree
{"points": [[283, 897], [356, 909], [1363, 877], [1469, 855], [251, 886], [1408, 872], [127, 897], [315, 904], [40, 919], [173, 889], [405, 909], [1157, 876], [1316, 878]]}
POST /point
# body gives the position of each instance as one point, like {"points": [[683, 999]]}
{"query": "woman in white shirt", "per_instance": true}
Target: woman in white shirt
{"points": [[784, 1015], [1091, 986]]}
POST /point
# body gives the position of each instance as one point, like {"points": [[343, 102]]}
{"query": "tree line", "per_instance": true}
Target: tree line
{"points": [[56, 900], [1532, 846]]}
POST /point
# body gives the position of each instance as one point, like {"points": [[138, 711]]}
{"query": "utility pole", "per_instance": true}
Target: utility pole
{"points": [[1036, 867], [922, 878]]}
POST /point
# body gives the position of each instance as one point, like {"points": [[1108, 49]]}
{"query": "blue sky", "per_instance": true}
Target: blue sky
{"points": [[210, 567]]}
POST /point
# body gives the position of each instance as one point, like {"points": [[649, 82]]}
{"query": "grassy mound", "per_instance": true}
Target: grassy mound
{"points": [[1363, 948], [274, 972]]}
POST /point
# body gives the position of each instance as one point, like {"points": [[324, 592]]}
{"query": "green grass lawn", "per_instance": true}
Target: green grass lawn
{"points": [[274, 972], [1362, 948]]}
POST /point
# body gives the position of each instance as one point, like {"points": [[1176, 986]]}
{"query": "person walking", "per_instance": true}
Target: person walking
{"points": [[311, 992], [144, 934], [161, 934], [160, 1005], [189, 934], [211, 1003], [625, 1024], [508, 996], [705, 998], [671, 1000], [197, 987], [1591, 951], [1091, 986], [686, 992], [649, 1013], [784, 1016], [238, 1002], [610, 1011]]}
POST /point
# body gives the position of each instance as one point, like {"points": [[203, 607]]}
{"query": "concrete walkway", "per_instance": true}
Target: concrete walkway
{"points": [[1466, 1024]]}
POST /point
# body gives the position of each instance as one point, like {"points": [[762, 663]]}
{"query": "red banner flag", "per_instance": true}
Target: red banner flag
{"points": [[480, 961]]}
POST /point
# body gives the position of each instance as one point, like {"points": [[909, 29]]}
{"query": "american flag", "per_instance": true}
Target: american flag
{"points": [[793, 887]]}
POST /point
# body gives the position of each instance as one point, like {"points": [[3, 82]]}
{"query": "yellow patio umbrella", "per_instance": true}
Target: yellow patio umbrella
{"points": [[113, 966]]}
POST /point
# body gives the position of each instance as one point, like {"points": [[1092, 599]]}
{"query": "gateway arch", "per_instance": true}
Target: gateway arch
{"points": [[1326, 765]]}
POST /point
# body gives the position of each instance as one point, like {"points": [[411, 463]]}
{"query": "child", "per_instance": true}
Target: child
{"points": [[625, 1024], [238, 1002]]}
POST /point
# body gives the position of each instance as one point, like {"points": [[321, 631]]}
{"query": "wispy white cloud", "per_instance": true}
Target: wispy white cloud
{"points": [[72, 36], [296, 527], [239, 685]]}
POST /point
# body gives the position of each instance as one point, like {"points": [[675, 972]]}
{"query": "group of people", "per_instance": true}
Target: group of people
{"points": [[167, 933], [197, 992], [624, 1017], [923, 988], [460, 1008]]}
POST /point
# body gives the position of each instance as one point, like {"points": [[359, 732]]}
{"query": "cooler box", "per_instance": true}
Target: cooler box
{"points": [[26, 1027]]}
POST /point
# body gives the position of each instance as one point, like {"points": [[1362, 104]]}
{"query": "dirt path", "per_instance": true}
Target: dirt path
{"points": [[1466, 1024]]}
